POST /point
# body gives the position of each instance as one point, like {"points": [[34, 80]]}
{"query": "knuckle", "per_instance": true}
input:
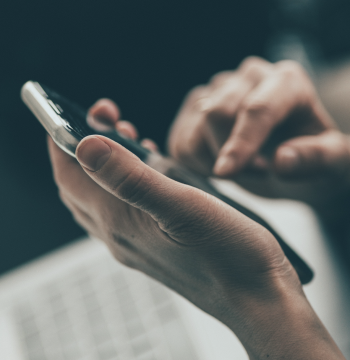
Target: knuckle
{"points": [[228, 94], [225, 109], [293, 73], [258, 109], [220, 77], [185, 222], [225, 104], [214, 114], [253, 68], [132, 187], [252, 63], [196, 94], [290, 69]]}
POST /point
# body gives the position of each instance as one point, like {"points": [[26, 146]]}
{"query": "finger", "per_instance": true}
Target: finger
{"points": [[103, 115], [328, 153], [127, 129], [265, 107], [186, 141], [250, 66], [171, 204], [221, 110], [220, 78], [149, 144], [228, 94], [225, 100], [120, 172]]}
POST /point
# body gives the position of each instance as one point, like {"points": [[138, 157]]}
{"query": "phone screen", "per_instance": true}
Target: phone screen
{"points": [[74, 119]]}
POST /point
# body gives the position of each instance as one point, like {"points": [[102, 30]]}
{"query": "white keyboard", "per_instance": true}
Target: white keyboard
{"points": [[102, 312]]}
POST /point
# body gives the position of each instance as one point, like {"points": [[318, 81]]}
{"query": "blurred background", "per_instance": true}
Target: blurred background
{"points": [[145, 55]]}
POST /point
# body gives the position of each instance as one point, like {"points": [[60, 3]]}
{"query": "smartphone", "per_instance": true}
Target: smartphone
{"points": [[66, 123]]}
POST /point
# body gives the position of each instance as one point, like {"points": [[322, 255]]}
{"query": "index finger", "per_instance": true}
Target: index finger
{"points": [[263, 109]]}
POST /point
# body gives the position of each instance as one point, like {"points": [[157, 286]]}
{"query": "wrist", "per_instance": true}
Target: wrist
{"points": [[283, 326]]}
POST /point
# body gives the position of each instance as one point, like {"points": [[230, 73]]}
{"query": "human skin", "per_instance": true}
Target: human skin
{"points": [[264, 126], [332, 83], [223, 262]]}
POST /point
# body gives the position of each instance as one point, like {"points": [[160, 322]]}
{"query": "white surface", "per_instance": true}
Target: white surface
{"points": [[9, 345]]}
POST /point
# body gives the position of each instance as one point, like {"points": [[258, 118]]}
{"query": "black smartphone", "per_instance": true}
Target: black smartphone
{"points": [[66, 124]]}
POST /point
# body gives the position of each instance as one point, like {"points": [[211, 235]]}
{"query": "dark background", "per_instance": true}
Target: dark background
{"points": [[146, 55]]}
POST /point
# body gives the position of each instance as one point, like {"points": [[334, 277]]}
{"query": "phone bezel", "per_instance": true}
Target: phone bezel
{"points": [[34, 96]]}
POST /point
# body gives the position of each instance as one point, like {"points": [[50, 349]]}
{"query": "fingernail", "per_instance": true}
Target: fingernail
{"points": [[288, 159], [149, 144], [124, 133], [125, 129], [224, 166], [93, 153]]}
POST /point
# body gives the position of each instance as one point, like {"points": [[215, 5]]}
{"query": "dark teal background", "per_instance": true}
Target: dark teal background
{"points": [[146, 55]]}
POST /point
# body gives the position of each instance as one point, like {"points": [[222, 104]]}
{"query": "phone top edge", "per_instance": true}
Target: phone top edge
{"points": [[34, 97], [55, 113]]}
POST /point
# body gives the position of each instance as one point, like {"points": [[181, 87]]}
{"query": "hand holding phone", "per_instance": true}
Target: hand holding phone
{"points": [[66, 124]]}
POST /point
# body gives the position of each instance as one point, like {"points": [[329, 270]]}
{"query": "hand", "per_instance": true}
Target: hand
{"points": [[264, 119], [222, 261]]}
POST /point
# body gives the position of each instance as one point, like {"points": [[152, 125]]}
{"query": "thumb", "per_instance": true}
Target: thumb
{"points": [[125, 176], [307, 156]]}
